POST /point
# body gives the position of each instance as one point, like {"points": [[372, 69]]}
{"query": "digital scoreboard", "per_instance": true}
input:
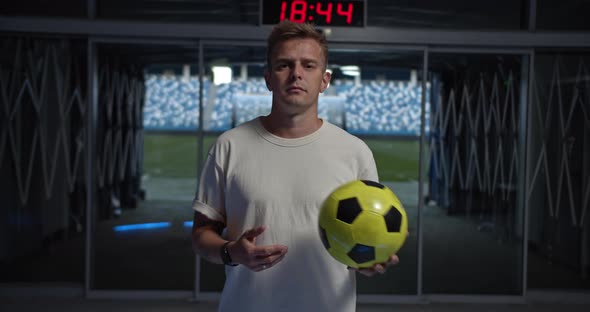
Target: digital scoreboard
{"points": [[350, 13]]}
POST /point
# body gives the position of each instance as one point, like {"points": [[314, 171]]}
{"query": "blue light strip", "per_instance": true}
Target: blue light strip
{"points": [[188, 224], [141, 226]]}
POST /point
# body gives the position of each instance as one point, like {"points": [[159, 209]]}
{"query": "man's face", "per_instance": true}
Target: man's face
{"points": [[296, 75]]}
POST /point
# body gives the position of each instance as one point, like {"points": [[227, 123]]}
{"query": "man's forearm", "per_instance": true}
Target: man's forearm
{"points": [[207, 244], [206, 236]]}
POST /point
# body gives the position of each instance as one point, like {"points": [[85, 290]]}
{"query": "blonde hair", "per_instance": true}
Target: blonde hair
{"points": [[286, 30]]}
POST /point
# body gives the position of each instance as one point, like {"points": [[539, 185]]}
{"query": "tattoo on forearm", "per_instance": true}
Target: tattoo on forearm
{"points": [[202, 220]]}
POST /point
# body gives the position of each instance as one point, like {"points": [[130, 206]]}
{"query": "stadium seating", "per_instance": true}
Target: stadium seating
{"points": [[372, 107]]}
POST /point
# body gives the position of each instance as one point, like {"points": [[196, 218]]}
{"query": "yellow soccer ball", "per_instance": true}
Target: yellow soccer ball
{"points": [[362, 223]]}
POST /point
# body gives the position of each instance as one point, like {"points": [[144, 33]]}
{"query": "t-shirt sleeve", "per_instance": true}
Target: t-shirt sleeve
{"points": [[369, 168], [210, 197]]}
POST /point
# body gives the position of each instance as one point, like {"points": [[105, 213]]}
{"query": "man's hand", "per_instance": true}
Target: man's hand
{"points": [[379, 267], [257, 258]]}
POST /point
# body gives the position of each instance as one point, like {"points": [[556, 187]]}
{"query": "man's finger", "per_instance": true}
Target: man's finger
{"points": [[270, 262], [393, 260], [253, 233], [366, 272], [379, 268], [278, 259], [266, 251]]}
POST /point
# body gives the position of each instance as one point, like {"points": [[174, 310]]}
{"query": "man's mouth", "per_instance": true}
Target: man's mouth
{"points": [[295, 89]]}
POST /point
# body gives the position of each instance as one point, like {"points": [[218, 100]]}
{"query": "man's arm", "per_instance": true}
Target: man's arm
{"points": [[206, 236], [207, 242]]}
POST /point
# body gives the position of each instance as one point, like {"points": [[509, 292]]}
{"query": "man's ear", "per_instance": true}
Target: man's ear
{"points": [[267, 79], [325, 81]]}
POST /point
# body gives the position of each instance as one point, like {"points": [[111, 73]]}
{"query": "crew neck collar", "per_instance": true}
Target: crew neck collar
{"points": [[287, 142]]}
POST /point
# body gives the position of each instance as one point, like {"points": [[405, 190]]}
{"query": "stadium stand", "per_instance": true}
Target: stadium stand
{"points": [[369, 108]]}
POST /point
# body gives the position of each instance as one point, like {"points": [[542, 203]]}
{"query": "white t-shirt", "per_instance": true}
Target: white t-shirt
{"points": [[252, 178]]}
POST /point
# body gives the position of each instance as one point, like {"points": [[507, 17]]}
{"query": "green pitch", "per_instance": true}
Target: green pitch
{"points": [[175, 156], [397, 160]]}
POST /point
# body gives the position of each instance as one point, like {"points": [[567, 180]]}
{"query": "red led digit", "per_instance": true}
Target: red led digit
{"points": [[347, 13], [283, 9], [327, 13], [298, 11]]}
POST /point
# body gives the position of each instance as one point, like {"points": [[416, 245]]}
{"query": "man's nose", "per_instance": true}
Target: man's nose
{"points": [[296, 72]]}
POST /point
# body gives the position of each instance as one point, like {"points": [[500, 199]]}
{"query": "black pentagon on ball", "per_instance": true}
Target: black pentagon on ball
{"points": [[362, 253], [373, 184], [348, 210], [393, 220], [324, 238]]}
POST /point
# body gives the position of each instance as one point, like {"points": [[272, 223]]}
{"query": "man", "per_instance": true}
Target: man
{"points": [[265, 181]]}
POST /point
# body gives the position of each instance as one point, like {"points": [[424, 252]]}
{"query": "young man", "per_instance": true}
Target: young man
{"points": [[265, 181]]}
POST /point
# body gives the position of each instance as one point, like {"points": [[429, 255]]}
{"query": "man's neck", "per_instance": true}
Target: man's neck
{"points": [[291, 127]]}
